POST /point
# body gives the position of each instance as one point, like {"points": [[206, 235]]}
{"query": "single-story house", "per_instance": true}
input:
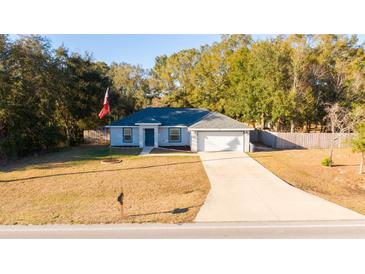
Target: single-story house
{"points": [[200, 129]]}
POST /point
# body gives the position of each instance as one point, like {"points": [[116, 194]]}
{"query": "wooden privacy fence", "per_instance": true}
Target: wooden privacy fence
{"points": [[282, 140], [97, 136]]}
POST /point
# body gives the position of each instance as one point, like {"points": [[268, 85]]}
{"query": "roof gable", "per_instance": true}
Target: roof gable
{"points": [[215, 120]]}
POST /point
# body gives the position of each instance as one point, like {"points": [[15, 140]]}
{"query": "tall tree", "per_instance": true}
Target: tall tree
{"points": [[174, 75], [130, 86]]}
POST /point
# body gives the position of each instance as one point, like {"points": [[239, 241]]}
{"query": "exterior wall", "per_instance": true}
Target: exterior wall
{"points": [[194, 141], [117, 137], [163, 137], [246, 141], [254, 136]]}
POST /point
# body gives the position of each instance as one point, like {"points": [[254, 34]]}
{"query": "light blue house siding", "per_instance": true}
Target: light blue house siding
{"points": [[163, 137], [117, 137]]}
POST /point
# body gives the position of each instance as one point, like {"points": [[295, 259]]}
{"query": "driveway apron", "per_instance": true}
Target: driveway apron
{"points": [[243, 190]]}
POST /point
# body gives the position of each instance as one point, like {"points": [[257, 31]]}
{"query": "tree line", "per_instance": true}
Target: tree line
{"points": [[285, 83], [49, 96]]}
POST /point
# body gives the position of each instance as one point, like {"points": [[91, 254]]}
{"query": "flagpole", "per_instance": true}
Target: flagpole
{"points": [[104, 112], [110, 137], [110, 132]]}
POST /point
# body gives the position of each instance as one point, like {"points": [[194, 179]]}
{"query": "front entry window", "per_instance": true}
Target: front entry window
{"points": [[174, 135], [127, 135]]}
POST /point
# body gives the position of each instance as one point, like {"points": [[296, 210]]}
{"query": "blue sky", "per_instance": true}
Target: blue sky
{"points": [[138, 49], [135, 49]]}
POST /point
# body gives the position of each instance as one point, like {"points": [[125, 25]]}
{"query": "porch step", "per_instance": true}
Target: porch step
{"points": [[146, 151]]}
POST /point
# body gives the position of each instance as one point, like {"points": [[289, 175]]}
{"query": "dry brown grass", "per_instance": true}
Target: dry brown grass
{"points": [[302, 168], [74, 187]]}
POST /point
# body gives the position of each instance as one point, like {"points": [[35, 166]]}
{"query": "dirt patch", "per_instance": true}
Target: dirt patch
{"points": [[180, 148], [302, 168], [169, 151], [61, 190]]}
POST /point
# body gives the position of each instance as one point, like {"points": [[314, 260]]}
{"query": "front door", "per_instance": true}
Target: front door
{"points": [[149, 137]]}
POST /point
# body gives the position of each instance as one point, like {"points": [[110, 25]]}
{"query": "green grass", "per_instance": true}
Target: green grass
{"points": [[104, 152]]}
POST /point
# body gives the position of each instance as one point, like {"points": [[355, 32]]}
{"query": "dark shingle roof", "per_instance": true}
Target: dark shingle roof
{"points": [[215, 120], [164, 115]]}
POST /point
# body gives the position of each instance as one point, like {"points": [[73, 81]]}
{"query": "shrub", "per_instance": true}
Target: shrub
{"points": [[327, 162]]}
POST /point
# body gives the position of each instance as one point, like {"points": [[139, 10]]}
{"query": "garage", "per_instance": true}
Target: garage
{"points": [[221, 141], [218, 132]]}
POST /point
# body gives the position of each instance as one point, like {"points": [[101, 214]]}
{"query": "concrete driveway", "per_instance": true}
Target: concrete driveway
{"points": [[243, 190]]}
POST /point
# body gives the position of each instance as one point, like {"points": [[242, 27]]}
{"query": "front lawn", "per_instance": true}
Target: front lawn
{"points": [[73, 186], [340, 184]]}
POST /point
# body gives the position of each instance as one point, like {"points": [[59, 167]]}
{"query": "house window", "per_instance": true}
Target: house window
{"points": [[174, 135], [127, 135]]}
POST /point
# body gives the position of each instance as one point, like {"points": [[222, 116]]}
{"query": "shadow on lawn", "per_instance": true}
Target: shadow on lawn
{"points": [[109, 170], [174, 211], [341, 165]]}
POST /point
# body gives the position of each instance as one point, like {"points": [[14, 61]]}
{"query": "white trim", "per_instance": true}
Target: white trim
{"points": [[119, 126], [194, 141], [147, 124], [169, 136], [220, 129], [174, 126], [131, 135], [246, 141], [141, 134]]}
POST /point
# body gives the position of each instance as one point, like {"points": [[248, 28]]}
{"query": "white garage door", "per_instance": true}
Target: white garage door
{"points": [[220, 141]]}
